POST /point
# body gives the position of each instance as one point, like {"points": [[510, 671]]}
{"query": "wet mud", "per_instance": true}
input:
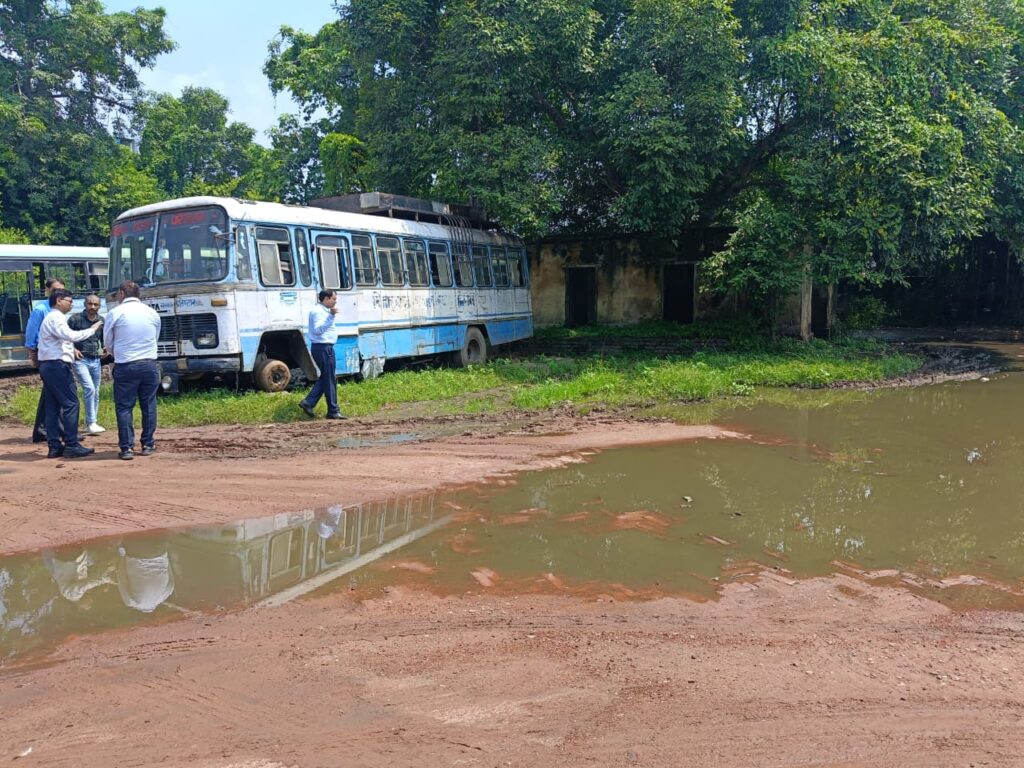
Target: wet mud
{"points": [[748, 601]]}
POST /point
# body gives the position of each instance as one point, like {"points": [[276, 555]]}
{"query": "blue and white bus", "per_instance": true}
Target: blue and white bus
{"points": [[234, 281], [23, 273]]}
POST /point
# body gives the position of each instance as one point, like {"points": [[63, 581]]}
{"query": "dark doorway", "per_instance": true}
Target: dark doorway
{"points": [[580, 296], [678, 298], [820, 325]]}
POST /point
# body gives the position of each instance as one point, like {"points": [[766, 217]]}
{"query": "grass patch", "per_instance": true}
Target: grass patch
{"points": [[540, 383]]}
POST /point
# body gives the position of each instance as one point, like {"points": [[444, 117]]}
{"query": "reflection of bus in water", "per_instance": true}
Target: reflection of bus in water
{"points": [[244, 562], [234, 281], [109, 583], [24, 270]]}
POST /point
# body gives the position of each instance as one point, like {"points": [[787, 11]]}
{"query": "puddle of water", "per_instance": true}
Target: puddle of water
{"points": [[119, 582], [916, 487]]}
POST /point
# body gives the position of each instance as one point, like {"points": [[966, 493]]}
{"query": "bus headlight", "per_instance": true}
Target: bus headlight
{"points": [[206, 340]]}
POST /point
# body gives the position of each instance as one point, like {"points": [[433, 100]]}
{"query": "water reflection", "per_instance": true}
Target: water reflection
{"points": [[111, 583], [920, 487]]}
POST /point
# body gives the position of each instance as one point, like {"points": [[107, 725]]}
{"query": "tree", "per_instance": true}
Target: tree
{"points": [[67, 72], [846, 139], [189, 146]]}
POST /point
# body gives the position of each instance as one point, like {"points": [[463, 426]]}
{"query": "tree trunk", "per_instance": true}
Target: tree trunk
{"points": [[806, 297]]}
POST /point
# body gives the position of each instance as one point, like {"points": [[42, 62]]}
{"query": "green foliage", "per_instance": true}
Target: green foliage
{"points": [[866, 312], [849, 140], [190, 148], [638, 381], [67, 71], [343, 158]]}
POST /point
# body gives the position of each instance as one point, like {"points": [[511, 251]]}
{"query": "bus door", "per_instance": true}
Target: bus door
{"points": [[369, 298], [333, 261], [282, 308]]}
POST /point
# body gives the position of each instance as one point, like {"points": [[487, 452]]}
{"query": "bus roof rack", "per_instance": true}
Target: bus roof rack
{"points": [[403, 207]]}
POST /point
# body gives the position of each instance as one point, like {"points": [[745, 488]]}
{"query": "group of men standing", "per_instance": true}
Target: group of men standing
{"points": [[65, 349]]}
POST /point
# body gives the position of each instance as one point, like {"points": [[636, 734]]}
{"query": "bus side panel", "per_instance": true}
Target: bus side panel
{"points": [[504, 331], [418, 341], [346, 355], [371, 344]]}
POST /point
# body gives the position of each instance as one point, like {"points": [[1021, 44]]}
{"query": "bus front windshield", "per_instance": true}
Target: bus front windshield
{"points": [[171, 247]]}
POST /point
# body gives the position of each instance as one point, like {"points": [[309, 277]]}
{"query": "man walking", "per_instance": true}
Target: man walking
{"points": [[56, 352], [322, 336], [35, 320], [130, 334], [87, 361]]}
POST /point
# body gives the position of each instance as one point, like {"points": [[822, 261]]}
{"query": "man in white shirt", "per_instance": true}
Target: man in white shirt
{"points": [[56, 354], [130, 335]]}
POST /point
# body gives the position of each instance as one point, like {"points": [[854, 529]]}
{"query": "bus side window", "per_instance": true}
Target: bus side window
{"points": [[463, 266], [243, 268], [440, 265], [481, 267], [302, 253], [517, 273], [275, 256], [334, 263], [366, 271], [500, 264], [416, 263], [389, 254]]}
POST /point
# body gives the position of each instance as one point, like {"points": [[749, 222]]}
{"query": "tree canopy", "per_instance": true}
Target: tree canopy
{"points": [[848, 138], [68, 85]]}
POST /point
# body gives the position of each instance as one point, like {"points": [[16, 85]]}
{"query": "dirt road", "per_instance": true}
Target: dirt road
{"points": [[824, 672], [813, 673]]}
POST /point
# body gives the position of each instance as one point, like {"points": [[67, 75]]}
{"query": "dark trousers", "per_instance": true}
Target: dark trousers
{"points": [[327, 385], [40, 426], [136, 382], [61, 393]]}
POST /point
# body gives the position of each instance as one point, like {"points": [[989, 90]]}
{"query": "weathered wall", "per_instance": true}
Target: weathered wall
{"points": [[629, 272]]}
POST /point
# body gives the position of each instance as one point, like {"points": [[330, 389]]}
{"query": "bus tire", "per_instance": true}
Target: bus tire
{"points": [[474, 349], [271, 375]]}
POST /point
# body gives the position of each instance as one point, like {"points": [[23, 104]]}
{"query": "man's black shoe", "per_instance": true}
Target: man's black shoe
{"points": [[127, 454], [55, 453], [336, 416], [38, 437], [77, 451], [307, 410], [148, 450]]}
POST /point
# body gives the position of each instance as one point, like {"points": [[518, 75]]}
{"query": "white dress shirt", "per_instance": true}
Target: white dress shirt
{"points": [[57, 340], [130, 331]]}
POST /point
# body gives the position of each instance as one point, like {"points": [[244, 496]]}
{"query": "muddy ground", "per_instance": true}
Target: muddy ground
{"points": [[779, 672]]}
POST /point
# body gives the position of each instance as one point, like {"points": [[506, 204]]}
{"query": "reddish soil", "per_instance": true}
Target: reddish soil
{"points": [[778, 672], [827, 672]]}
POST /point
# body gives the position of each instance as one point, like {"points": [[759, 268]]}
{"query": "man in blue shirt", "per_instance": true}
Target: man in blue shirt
{"points": [[35, 320], [322, 336]]}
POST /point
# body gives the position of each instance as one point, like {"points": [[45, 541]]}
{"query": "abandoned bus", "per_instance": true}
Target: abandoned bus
{"points": [[23, 273], [234, 282]]}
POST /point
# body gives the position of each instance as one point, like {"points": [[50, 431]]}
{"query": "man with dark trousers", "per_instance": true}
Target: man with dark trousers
{"points": [[35, 319], [56, 354], [322, 336], [130, 334]]}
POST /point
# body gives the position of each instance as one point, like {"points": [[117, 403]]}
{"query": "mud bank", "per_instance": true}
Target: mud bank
{"points": [[825, 672], [222, 474]]}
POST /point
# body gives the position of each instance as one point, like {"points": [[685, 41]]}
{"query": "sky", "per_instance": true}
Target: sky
{"points": [[222, 44]]}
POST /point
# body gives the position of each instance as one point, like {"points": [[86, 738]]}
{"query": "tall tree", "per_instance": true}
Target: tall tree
{"points": [[190, 147], [68, 75], [846, 138]]}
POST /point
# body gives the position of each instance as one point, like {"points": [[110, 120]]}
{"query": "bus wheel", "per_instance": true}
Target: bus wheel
{"points": [[474, 349], [271, 375]]}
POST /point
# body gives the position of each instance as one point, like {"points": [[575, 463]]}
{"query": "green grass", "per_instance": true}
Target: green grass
{"points": [[538, 384]]}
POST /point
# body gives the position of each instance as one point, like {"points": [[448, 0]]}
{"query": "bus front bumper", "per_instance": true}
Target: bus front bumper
{"points": [[173, 370]]}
